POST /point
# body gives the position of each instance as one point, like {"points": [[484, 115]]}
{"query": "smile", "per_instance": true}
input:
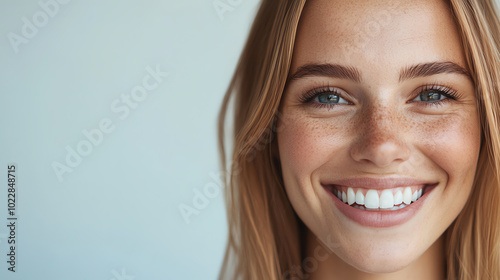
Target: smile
{"points": [[378, 200]]}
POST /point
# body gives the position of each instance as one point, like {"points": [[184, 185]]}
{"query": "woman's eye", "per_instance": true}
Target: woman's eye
{"points": [[435, 96], [430, 96], [330, 98], [324, 98]]}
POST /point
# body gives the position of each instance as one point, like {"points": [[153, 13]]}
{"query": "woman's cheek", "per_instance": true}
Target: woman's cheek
{"points": [[452, 143], [306, 143]]}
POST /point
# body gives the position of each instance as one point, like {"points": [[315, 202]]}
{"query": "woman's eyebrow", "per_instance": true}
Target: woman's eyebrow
{"points": [[352, 73], [327, 70], [432, 68]]}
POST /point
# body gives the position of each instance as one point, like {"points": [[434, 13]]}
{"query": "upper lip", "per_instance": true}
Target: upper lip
{"points": [[379, 182]]}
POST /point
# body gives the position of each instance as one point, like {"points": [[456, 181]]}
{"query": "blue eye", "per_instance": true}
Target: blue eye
{"points": [[430, 96], [324, 97], [435, 95], [329, 98]]}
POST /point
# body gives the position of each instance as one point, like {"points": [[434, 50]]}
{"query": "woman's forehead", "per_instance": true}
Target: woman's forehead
{"points": [[384, 36]]}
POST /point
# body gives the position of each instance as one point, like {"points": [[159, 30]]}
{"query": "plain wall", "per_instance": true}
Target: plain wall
{"points": [[70, 66]]}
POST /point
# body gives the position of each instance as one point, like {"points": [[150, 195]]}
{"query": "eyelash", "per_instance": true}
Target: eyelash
{"points": [[448, 92], [309, 96]]}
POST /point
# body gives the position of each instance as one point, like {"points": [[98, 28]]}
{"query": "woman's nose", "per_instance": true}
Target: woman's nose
{"points": [[380, 138]]}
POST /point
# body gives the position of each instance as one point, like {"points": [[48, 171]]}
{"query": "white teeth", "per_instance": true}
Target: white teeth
{"points": [[407, 195], [386, 199], [389, 199], [371, 199], [398, 198], [414, 196], [360, 198], [351, 196]]}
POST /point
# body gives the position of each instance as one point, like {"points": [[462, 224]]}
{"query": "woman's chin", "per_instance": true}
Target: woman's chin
{"points": [[378, 254], [377, 263]]}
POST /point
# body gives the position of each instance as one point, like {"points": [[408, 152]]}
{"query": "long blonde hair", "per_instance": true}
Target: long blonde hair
{"points": [[265, 234]]}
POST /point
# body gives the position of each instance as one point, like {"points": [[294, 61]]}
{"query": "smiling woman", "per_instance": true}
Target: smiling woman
{"points": [[380, 123]]}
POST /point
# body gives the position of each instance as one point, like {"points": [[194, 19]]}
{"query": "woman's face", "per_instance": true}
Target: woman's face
{"points": [[380, 111]]}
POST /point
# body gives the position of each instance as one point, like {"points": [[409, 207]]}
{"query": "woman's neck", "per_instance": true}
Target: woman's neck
{"points": [[430, 265]]}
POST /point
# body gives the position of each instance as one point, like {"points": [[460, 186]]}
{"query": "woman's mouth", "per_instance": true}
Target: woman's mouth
{"points": [[379, 207], [377, 200]]}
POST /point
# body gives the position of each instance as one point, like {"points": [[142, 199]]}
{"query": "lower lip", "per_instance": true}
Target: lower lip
{"points": [[374, 218]]}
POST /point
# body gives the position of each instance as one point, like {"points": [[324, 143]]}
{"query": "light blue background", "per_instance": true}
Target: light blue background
{"points": [[116, 216]]}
